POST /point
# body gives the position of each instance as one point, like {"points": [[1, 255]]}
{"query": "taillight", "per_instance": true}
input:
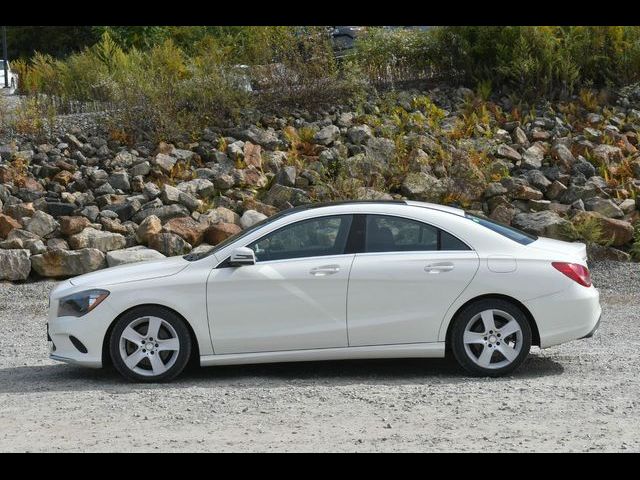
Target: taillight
{"points": [[574, 271]]}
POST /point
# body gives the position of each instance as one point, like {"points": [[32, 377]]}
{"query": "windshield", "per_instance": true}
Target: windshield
{"points": [[237, 236], [523, 238]]}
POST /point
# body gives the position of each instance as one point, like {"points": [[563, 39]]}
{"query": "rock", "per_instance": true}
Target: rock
{"points": [[505, 151], [219, 232], [599, 253], [164, 162], [380, 151], [555, 190], [503, 213], [57, 243], [252, 155], [140, 169], [221, 215], [617, 232], [169, 244], [67, 263], [494, 189], [327, 135], [187, 228], [250, 218], [7, 224], [519, 137], [606, 154], [533, 156], [265, 138], [197, 187], [151, 225], [283, 197], [15, 264], [42, 224], [169, 194], [422, 186], [545, 223], [604, 207], [628, 205], [524, 192], [164, 213], [287, 176], [113, 225], [73, 225], [584, 167], [120, 180], [563, 157], [132, 255], [359, 134], [97, 239], [58, 209], [364, 193]]}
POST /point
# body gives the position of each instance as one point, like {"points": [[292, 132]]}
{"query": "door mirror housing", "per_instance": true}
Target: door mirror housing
{"points": [[242, 256]]}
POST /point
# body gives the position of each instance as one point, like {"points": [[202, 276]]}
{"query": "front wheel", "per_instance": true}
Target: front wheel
{"points": [[150, 344], [491, 338]]}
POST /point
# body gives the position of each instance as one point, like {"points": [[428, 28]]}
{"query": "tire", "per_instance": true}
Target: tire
{"points": [[490, 338], [169, 339]]}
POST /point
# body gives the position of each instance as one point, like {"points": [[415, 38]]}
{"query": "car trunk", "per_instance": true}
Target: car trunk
{"points": [[575, 249]]}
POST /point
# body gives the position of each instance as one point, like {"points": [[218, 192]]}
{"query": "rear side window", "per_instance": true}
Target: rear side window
{"points": [[394, 234], [523, 238]]}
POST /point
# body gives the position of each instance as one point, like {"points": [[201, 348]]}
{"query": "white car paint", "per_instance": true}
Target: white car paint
{"points": [[372, 304]]}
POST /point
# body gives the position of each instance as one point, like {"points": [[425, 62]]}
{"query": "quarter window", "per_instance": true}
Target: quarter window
{"points": [[394, 234], [308, 238]]}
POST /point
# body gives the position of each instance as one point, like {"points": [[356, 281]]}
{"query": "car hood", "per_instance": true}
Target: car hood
{"points": [[132, 272], [575, 249]]}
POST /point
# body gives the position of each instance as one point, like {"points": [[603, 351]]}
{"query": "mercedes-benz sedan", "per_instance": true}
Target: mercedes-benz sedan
{"points": [[333, 281]]}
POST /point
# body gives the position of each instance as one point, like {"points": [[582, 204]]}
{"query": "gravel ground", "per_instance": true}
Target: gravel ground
{"points": [[581, 396]]}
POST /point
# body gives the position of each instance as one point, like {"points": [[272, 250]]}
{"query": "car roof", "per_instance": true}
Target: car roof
{"points": [[410, 203]]}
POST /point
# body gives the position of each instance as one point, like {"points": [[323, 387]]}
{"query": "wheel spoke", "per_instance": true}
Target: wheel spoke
{"points": [[484, 359], [473, 337], [509, 353], [156, 364], [134, 359], [170, 344], [488, 321], [509, 329], [154, 327], [133, 336]]}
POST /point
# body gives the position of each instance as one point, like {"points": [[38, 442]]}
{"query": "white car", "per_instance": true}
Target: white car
{"points": [[333, 281], [12, 78]]}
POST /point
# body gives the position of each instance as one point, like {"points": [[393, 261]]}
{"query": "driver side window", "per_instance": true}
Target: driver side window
{"points": [[308, 238]]}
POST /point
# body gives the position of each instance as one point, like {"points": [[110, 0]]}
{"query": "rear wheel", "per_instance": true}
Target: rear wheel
{"points": [[491, 338], [150, 344]]}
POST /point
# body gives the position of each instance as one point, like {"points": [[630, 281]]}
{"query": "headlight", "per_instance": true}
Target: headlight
{"points": [[81, 303]]}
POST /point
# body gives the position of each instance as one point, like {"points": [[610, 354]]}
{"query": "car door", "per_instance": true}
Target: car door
{"points": [[403, 282], [293, 298]]}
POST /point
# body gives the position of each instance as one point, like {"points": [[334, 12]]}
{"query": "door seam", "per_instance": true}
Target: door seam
{"points": [[346, 302]]}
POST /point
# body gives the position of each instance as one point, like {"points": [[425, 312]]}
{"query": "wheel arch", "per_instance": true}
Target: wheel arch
{"points": [[195, 350], [535, 333]]}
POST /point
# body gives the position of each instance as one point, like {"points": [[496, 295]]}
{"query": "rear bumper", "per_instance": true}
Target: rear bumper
{"points": [[567, 315], [595, 329]]}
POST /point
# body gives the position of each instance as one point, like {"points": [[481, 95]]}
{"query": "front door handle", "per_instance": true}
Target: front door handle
{"points": [[324, 270], [440, 267]]}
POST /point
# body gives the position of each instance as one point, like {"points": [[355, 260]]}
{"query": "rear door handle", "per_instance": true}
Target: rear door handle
{"points": [[440, 267], [324, 270]]}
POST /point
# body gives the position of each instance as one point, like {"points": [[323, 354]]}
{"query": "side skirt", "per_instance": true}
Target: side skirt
{"points": [[411, 350]]}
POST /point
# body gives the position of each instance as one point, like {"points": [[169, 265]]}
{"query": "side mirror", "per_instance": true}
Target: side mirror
{"points": [[242, 256]]}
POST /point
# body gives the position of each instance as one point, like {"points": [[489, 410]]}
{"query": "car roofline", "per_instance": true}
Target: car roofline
{"points": [[410, 203]]}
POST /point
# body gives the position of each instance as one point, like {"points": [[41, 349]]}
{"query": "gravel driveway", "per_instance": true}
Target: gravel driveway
{"points": [[581, 396]]}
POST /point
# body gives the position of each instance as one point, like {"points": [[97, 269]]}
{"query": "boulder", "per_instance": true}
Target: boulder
{"points": [[606, 154], [97, 239], [422, 186], [187, 228], [505, 151], [617, 232], [604, 207], [151, 225], [132, 255], [73, 225], [219, 232], [42, 224], [164, 162], [169, 244], [7, 224], [68, 263], [327, 135], [546, 223], [252, 155], [250, 218], [164, 213], [15, 264]]}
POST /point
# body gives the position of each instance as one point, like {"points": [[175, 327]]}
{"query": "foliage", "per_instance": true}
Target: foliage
{"points": [[635, 247]]}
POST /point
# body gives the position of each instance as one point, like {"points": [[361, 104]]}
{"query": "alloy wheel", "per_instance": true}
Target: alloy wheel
{"points": [[492, 339]]}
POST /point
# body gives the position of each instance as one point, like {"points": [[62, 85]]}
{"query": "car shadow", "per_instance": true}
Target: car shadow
{"points": [[61, 377]]}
